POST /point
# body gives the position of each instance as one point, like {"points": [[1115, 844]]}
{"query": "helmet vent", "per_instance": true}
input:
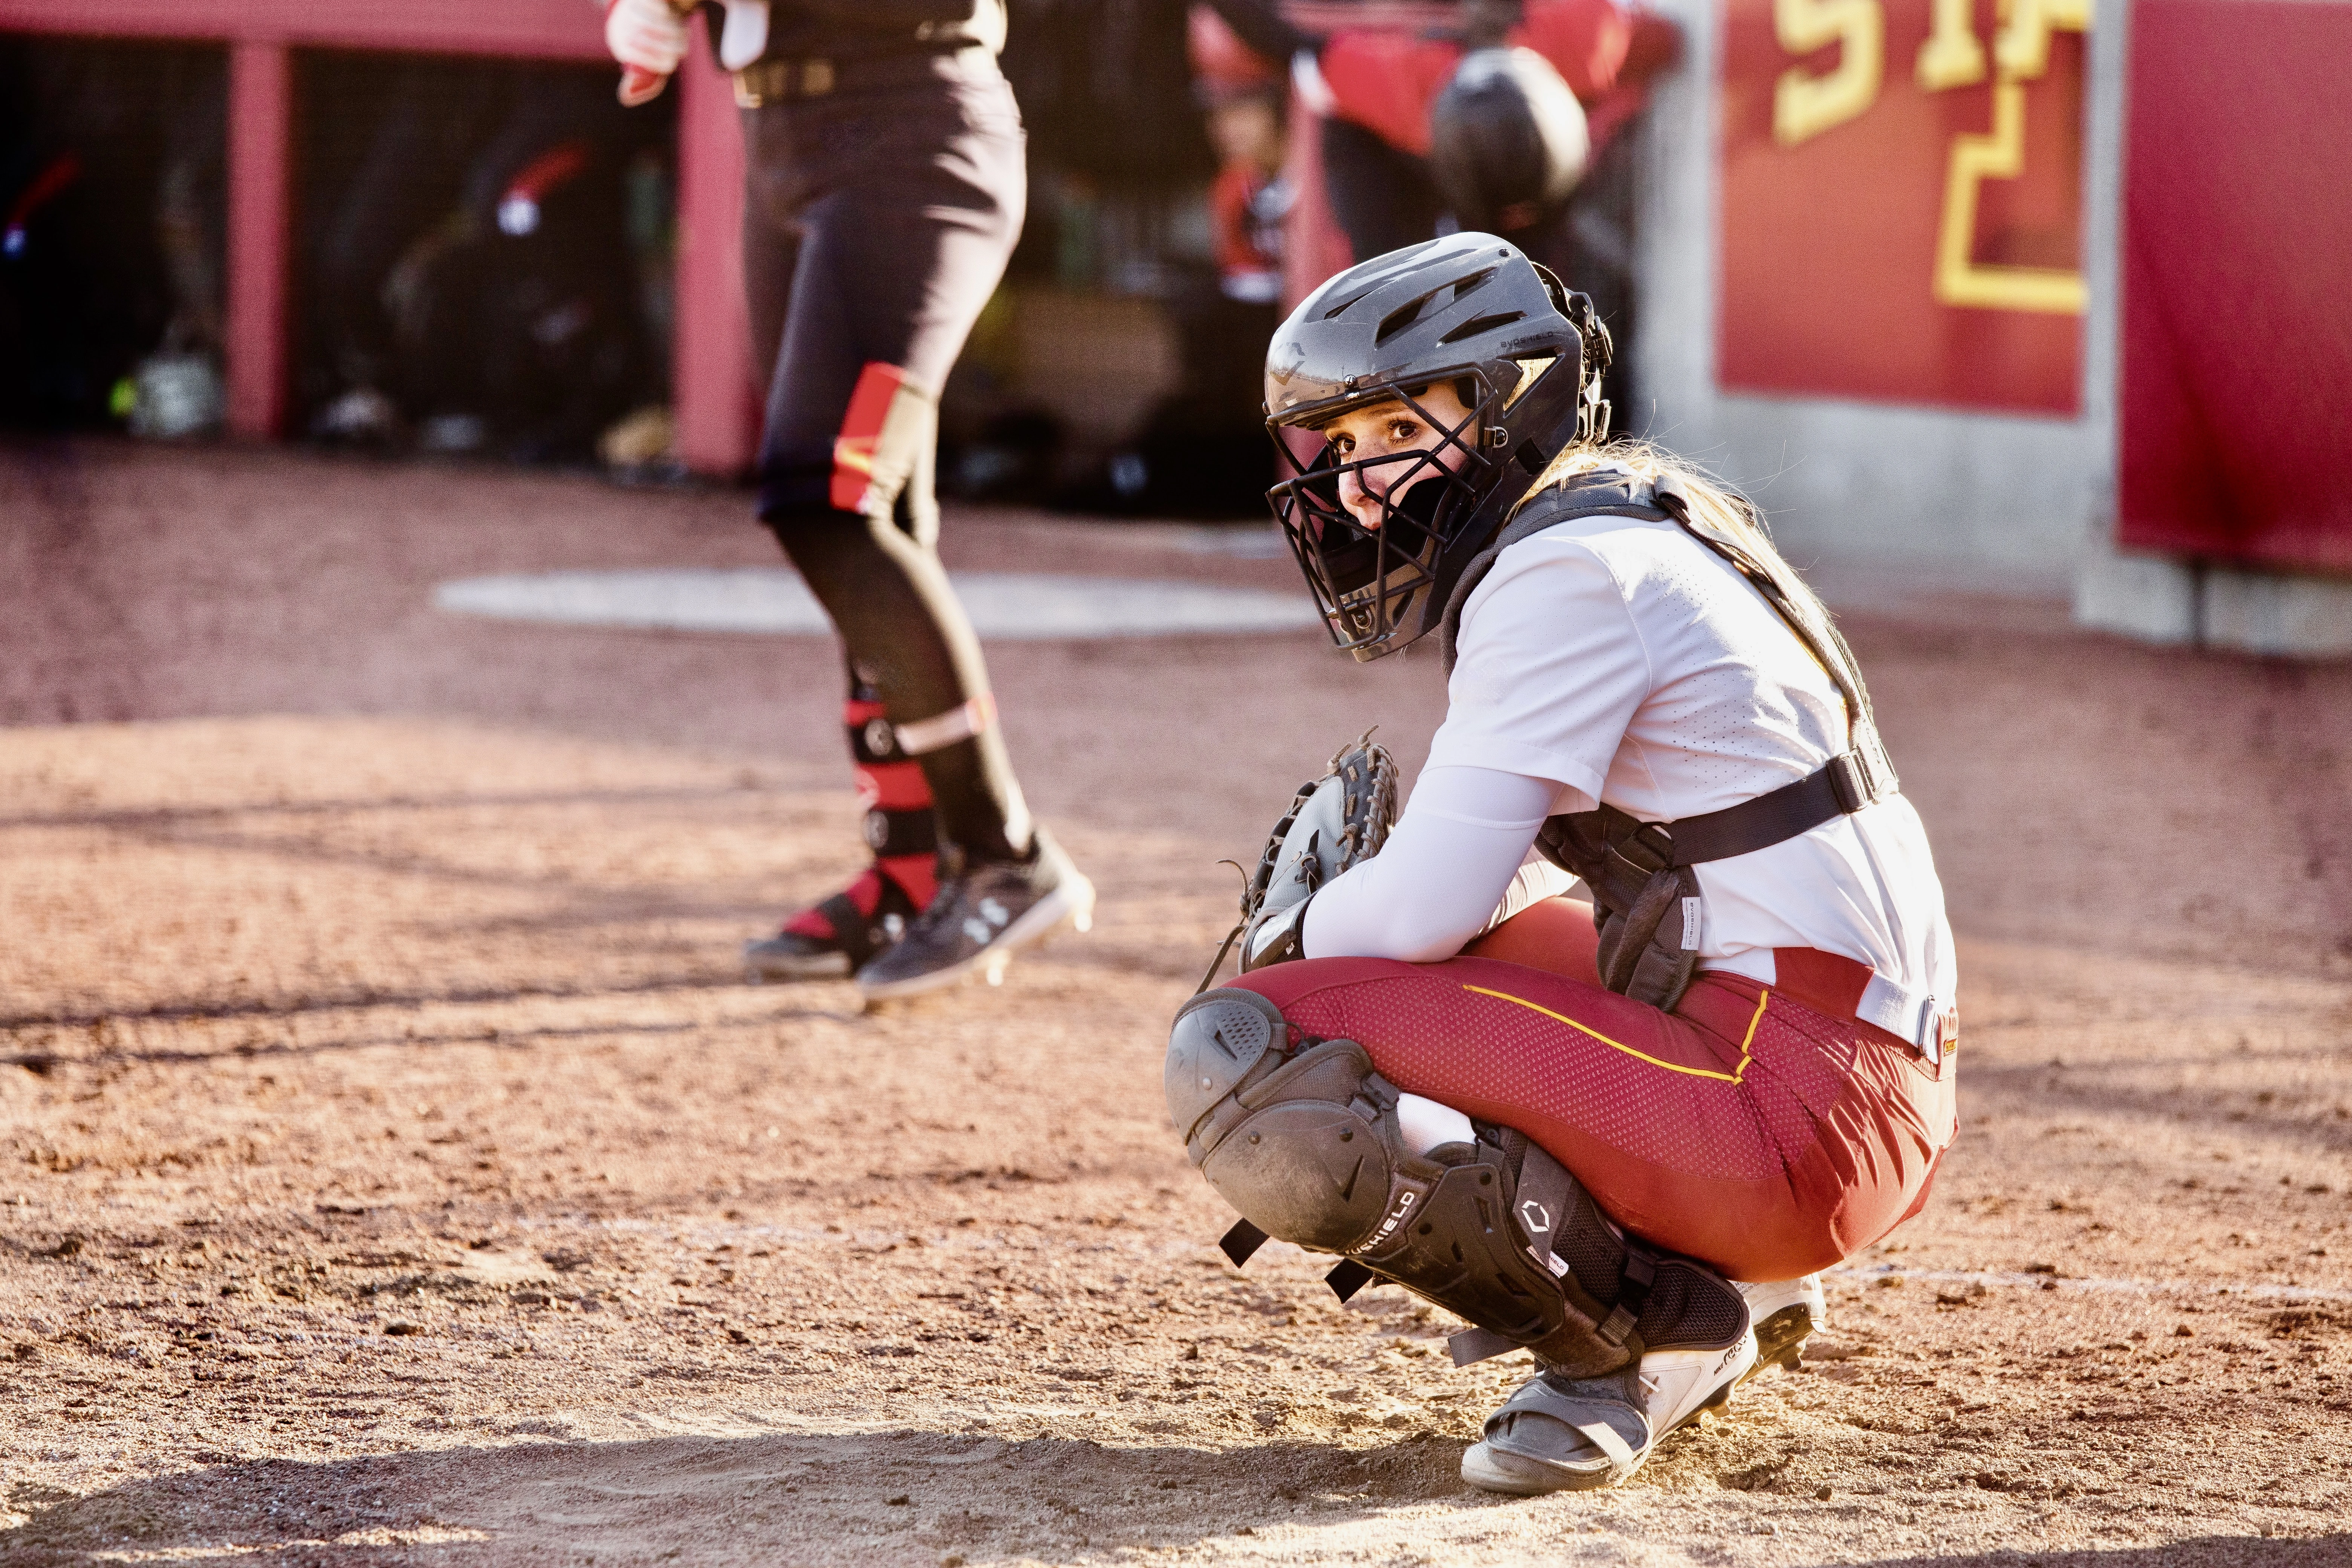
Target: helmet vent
{"points": [[1530, 371], [1404, 316], [1466, 286], [1477, 324]]}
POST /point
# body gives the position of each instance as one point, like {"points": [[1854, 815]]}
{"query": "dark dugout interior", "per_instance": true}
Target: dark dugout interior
{"points": [[481, 262], [482, 249], [485, 255], [1115, 246], [113, 228]]}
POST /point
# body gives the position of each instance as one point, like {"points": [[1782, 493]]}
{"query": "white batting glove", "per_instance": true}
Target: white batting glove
{"points": [[649, 38], [744, 38]]}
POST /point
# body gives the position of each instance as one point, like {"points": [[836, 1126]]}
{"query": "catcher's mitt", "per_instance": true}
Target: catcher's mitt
{"points": [[1337, 821]]}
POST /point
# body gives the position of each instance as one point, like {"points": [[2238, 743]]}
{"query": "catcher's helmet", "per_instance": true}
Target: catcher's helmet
{"points": [[1468, 311], [1506, 139]]}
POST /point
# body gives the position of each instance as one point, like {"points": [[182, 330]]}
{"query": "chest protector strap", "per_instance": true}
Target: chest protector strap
{"points": [[1646, 895]]}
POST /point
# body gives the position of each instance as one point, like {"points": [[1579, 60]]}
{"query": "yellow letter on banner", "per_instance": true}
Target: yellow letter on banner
{"points": [[2022, 48], [2022, 52], [1952, 56], [1804, 106]]}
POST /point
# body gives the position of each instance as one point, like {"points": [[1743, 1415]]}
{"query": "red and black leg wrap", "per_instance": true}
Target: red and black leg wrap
{"points": [[860, 919], [901, 826]]}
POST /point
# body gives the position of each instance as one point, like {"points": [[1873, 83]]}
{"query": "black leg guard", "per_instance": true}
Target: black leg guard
{"points": [[1305, 1142]]}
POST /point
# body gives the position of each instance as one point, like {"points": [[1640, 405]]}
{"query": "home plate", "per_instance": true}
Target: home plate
{"points": [[1003, 605]]}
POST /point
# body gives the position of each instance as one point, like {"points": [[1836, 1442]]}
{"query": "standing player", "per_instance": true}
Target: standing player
{"points": [[1382, 81], [1573, 1131], [884, 193], [1427, 125]]}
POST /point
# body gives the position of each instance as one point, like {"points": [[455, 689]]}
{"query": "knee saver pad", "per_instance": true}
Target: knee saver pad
{"points": [[1309, 1167], [1306, 1144]]}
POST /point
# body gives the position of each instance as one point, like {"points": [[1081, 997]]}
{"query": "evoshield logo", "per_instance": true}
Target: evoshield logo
{"points": [[1406, 1198]]}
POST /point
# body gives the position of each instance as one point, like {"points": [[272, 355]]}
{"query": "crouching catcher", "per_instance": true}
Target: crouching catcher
{"points": [[1624, 1130]]}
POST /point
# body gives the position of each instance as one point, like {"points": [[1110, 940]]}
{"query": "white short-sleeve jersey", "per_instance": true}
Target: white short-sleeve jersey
{"points": [[1629, 664]]}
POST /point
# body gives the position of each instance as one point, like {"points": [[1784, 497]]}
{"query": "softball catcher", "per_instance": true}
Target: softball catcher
{"points": [[1625, 1134]]}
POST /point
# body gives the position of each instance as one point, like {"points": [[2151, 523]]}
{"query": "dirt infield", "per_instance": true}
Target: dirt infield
{"points": [[392, 1169]]}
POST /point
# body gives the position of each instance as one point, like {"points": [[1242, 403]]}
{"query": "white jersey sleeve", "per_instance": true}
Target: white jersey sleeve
{"points": [[1443, 873], [1619, 660]]}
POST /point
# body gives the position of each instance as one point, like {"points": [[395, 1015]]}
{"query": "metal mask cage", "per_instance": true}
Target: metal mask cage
{"points": [[1368, 582]]}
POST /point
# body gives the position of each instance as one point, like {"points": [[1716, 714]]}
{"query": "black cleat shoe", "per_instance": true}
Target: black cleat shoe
{"points": [[983, 915], [832, 939]]}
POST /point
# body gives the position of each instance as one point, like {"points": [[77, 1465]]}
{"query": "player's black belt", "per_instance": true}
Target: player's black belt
{"points": [[764, 82]]}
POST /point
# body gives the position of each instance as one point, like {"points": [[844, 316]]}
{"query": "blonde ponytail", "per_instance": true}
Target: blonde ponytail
{"points": [[1712, 505]]}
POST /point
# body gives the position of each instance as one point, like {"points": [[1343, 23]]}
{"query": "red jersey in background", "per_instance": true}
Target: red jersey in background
{"points": [[1246, 209], [1384, 79]]}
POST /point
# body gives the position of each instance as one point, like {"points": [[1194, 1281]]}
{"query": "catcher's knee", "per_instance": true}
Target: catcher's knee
{"points": [[1306, 1141], [1291, 1139]]}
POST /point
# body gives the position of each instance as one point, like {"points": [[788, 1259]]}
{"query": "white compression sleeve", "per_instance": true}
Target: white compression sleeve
{"points": [[1435, 882]]}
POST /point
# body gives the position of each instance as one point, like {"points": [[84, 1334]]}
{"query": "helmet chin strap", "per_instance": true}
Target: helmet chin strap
{"points": [[1560, 402]]}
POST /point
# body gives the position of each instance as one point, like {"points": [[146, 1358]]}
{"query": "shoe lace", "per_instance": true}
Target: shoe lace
{"points": [[946, 908]]}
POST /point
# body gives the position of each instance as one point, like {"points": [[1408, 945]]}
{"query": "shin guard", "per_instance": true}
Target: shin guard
{"points": [[1303, 1138], [901, 826]]}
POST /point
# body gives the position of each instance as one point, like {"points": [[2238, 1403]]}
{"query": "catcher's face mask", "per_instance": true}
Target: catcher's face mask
{"points": [[1391, 479]]}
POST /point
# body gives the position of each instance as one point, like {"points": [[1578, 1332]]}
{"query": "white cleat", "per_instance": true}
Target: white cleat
{"points": [[1559, 1434], [1786, 1313]]}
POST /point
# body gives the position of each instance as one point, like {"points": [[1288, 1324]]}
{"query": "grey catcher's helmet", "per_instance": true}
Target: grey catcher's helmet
{"points": [[1525, 358]]}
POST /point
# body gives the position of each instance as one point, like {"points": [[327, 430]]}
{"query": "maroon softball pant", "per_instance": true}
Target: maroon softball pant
{"points": [[1762, 1130]]}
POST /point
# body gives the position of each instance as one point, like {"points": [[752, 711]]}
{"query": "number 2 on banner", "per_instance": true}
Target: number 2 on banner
{"points": [[1952, 56], [1804, 105]]}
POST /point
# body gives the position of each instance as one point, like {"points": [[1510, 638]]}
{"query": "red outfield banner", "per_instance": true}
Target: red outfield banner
{"points": [[2237, 324], [1901, 200]]}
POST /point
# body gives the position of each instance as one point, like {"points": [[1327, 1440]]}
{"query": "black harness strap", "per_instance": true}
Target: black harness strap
{"points": [[1640, 1273], [1840, 787], [1347, 1278]]}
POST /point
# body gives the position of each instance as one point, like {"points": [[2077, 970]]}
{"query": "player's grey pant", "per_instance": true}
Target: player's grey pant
{"points": [[877, 223]]}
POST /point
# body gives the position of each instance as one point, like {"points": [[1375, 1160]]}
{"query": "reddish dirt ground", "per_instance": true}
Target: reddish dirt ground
{"points": [[393, 1168]]}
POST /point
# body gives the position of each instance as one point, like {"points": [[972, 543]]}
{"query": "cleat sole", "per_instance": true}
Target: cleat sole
{"points": [[1780, 1340]]}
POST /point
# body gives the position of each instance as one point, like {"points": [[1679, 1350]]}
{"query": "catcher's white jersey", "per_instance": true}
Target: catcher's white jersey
{"points": [[1623, 661]]}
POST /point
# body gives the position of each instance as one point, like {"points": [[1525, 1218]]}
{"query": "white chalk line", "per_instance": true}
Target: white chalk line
{"points": [[701, 1234], [2249, 1289], [1002, 605]]}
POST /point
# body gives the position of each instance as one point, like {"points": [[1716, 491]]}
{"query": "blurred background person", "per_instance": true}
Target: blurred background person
{"points": [[1203, 450], [1107, 377], [1397, 169], [475, 283]]}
